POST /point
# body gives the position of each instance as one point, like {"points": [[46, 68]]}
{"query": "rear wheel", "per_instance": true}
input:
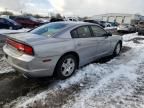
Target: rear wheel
{"points": [[66, 66], [117, 49]]}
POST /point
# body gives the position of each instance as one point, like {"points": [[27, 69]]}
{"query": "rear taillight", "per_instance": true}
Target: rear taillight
{"points": [[20, 46]]}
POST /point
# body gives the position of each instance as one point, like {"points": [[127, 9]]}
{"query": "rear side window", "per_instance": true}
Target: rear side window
{"points": [[49, 29], [97, 31], [81, 32]]}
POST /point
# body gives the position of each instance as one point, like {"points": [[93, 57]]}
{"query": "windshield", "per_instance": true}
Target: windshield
{"points": [[49, 29]]}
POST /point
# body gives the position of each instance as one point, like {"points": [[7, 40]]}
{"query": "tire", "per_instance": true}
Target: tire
{"points": [[117, 49], [66, 67]]}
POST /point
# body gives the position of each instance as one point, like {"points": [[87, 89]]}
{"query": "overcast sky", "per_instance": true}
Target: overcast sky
{"points": [[74, 7]]}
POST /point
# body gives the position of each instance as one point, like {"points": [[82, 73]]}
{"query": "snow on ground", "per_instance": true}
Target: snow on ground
{"points": [[105, 85], [128, 37], [5, 67], [5, 31], [120, 81]]}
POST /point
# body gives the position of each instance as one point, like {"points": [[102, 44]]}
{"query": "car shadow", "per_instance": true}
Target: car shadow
{"points": [[109, 58]]}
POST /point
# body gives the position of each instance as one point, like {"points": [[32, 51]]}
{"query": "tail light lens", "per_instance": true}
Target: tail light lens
{"points": [[20, 46]]}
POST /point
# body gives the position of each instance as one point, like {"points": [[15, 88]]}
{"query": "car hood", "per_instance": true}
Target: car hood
{"points": [[32, 39]]}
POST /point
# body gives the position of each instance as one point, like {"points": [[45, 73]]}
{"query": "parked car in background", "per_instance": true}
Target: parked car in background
{"points": [[56, 19], [107, 24], [27, 22], [114, 24], [59, 48], [6, 23], [95, 22], [140, 28], [71, 19], [126, 28]]}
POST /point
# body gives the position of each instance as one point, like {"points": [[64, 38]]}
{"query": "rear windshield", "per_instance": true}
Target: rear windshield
{"points": [[49, 29]]}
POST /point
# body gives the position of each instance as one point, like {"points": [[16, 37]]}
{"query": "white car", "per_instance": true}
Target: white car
{"points": [[126, 28]]}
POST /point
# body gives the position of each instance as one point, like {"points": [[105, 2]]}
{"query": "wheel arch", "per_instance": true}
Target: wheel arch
{"points": [[68, 53]]}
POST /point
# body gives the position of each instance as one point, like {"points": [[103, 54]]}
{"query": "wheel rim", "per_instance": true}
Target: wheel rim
{"points": [[68, 67], [118, 49]]}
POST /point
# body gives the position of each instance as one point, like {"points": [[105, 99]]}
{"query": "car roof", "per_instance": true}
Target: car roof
{"points": [[72, 23]]}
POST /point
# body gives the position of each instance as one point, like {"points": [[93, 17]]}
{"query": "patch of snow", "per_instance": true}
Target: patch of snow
{"points": [[125, 70], [128, 37], [102, 82], [5, 67]]}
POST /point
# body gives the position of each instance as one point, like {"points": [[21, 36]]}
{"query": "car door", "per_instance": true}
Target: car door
{"points": [[103, 41], [85, 44]]}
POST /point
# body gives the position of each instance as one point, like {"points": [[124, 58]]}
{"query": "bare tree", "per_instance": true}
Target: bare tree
{"points": [[58, 16], [6, 13]]}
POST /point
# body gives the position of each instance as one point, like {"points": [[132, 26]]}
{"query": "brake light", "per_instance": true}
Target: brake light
{"points": [[20, 46]]}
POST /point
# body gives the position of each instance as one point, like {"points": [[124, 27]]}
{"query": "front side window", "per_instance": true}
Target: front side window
{"points": [[49, 29], [97, 31]]}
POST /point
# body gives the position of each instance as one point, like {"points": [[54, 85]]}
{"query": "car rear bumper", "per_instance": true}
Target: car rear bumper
{"points": [[31, 66]]}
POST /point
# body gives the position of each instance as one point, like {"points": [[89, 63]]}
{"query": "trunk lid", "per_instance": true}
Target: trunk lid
{"points": [[27, 37], [34, 39]]}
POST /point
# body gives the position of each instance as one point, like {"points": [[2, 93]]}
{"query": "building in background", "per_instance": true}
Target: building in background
{"points": [[119, 18]]}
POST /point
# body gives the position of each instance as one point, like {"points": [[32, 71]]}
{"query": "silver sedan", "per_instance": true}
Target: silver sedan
{"points": [[59, 48]]}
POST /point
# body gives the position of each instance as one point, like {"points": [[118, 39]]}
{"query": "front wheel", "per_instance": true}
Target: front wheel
{"points": [[117, 49], [66, 66]]}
